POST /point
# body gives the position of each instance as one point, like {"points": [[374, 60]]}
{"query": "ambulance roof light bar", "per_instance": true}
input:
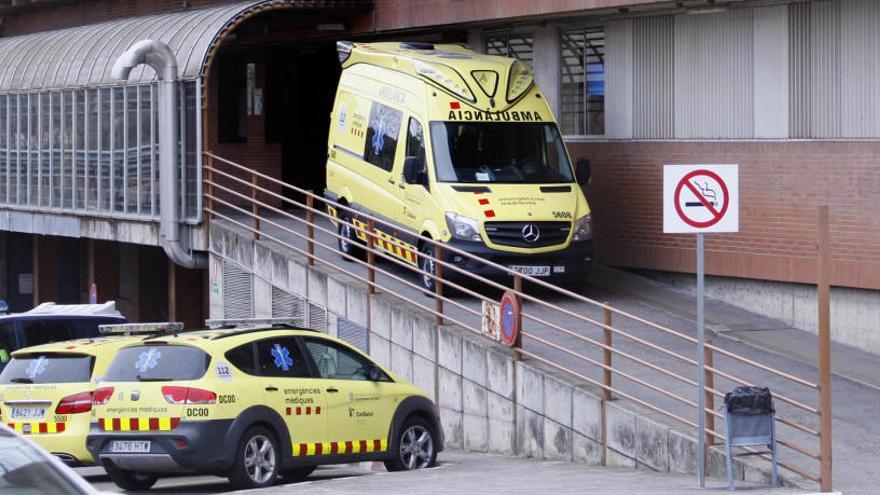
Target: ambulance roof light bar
{"points": [[250, 322], [158, 328]]}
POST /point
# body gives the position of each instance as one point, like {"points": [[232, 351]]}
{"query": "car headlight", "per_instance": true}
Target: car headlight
{"points": [[583, 229], [463, 227]]}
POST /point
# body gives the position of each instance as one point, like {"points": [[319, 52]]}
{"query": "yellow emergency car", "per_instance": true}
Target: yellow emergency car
{"points": [[251, 403], [457, 146], [46, 393]]}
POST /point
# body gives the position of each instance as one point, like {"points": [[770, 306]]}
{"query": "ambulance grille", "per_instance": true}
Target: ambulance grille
{"points": [[511, 233]]}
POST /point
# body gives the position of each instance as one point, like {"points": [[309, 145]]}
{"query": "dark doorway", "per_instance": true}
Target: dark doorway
{"points": [[301, 86]]}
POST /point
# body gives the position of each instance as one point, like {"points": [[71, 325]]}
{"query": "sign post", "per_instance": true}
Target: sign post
{"points": [[700, 199]]}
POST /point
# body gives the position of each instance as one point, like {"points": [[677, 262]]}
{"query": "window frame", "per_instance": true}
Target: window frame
{"points": [[583, 28], [311, 371], [367, 135], [386, 378], [507, 33]]}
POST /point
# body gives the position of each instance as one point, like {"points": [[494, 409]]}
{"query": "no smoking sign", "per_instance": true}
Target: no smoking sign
{"points": [[700, 198]]}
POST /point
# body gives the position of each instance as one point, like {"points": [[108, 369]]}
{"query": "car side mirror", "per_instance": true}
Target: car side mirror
{"points": [[413, 170], [375, 374], [583, 171]]}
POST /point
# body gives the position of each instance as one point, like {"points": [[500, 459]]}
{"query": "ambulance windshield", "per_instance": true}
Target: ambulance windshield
{"points": [[499, 152]]}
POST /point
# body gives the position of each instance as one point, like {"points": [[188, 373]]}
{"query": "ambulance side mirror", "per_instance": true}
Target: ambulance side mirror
{"points": [[413, 170], [374, 373], [583, 172]]}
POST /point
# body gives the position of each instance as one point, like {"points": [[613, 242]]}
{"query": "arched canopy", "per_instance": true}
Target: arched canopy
{"points": [[82, 56]]}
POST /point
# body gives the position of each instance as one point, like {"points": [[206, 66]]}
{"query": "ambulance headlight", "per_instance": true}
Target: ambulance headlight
{"points": [[583, 229], [463, 227]]}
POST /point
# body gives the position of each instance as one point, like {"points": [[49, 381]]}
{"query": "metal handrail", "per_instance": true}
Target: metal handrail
{"points": [[372, 250]]}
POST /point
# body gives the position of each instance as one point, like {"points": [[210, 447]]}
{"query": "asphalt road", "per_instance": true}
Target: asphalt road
{"points": [[459, 473], [856, 439]]}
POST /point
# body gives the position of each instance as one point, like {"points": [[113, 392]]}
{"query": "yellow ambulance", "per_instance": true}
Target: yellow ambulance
{"points": [[46, 393], [461, 147], [254, 401]]}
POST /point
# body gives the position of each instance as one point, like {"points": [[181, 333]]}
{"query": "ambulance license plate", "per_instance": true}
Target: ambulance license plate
{"points": [[27, 413], [534, 271], [130, 446]]}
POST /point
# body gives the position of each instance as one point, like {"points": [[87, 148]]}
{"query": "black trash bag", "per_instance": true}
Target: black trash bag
{"points": [[749, 400]]}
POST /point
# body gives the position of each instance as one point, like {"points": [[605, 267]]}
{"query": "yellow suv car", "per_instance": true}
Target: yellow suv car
{"points": [[252, 403], [46, 393]]}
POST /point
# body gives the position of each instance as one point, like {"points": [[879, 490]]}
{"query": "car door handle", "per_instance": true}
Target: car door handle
{"points": [[271, 389], [391, 181], [332, 390]]}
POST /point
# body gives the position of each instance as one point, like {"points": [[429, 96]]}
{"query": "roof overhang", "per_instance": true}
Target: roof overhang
{"points": [[84, 55]]}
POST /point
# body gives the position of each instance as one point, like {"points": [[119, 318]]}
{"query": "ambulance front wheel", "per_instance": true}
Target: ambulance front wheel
{"points": [[347, 242], [427, 269]]}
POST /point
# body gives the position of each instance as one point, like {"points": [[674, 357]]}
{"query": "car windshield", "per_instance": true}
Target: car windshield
{"points": [[48, 368], [157, 363], [25, 470], [499, 152]]}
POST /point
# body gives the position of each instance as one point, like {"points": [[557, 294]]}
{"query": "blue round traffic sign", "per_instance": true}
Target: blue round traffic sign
{"points": [[510, 319]]}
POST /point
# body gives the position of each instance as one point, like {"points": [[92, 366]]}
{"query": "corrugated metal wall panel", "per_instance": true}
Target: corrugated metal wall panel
{"points": [[859, 68], [714, 75], [238, 292], [800, 61], [825, 69], [619, 79], [653, 77]]}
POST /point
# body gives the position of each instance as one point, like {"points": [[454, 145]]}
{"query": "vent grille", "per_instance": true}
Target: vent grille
{"points": [[238, 292], [353, 333], [287, 305], [317, 317]]}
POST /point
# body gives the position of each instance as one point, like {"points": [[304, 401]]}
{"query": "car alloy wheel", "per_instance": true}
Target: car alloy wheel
{"points": [[416, 447], [259, 459]]}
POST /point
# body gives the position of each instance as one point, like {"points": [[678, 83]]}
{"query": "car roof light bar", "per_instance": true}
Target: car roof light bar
{"points": [[249, 322], [168, 327]]}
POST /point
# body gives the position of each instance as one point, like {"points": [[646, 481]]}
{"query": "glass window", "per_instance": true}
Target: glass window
{"points": [[38, 332], [7, 343], [583, 81], [415, 140], [382, 136], [518, 46], [499, 152], [157, 363], [281, 357], [242, 357], [26, 469], [337, 362], [48, 368]]}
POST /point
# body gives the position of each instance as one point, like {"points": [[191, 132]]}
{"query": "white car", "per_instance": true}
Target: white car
{"points": [[26, 468]]}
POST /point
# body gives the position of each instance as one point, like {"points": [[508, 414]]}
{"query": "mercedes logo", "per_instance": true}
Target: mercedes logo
{"points": [[531, 233]]}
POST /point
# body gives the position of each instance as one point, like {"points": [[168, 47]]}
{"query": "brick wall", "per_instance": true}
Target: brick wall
{"points": [[781, 183]]}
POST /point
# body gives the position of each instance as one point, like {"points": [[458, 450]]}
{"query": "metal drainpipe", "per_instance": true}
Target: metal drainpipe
{"points": [[158, 56]]}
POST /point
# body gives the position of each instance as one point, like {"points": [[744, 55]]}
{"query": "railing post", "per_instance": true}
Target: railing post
{"points": [[371, 256], [310, 227], [606, 380], [710, 399], [824, 303], [255, 206], [438, 285], [438, 318], [606, 355], [208, 203]]}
